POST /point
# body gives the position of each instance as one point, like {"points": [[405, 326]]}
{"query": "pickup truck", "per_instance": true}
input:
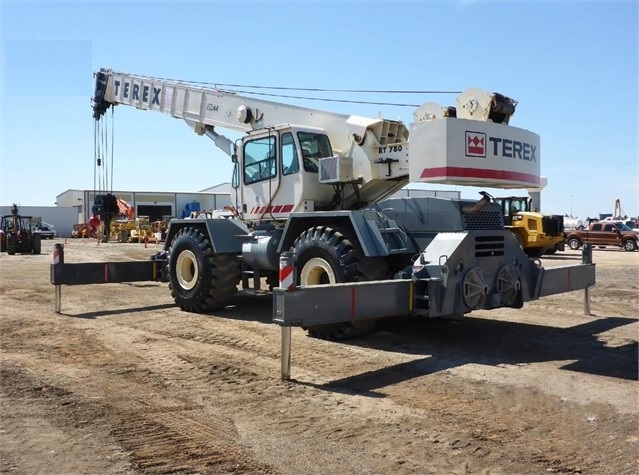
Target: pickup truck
{"points": [[603, 234]]}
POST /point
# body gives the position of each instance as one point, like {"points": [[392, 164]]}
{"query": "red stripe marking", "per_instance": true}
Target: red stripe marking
{"points": [[285, 272], [463, 172], [272, 209]]}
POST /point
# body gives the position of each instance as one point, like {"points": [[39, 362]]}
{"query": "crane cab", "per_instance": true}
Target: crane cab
{"points": [[277, 172]]}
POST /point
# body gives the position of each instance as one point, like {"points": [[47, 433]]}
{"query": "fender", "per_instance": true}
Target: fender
{"points": [[222, 232]]}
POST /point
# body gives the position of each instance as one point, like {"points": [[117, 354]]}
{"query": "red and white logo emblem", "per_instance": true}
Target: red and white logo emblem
{"points": [[475, 144]]}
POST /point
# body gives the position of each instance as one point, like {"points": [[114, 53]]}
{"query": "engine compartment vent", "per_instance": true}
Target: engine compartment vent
{"points": [[483, 220], [489, 246]]}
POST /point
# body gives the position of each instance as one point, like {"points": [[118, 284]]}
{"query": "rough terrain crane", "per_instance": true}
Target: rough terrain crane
{"points": [[310, 188]]}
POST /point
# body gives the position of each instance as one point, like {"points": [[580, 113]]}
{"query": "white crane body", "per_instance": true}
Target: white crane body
{"points": [[367, 158], [311, 186]]}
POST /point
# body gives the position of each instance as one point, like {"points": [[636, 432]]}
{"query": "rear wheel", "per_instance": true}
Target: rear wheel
{"points": [[200, 280], [326, 256], [535, 251], [574, 244], [37, 244]]}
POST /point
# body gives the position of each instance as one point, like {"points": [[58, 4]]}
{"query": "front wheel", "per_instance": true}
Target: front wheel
{"points": [[574, 244], [12, 244], [201, 280], [630, 245], [326, 256]]}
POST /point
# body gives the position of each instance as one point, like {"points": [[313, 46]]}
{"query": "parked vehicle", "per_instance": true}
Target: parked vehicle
{"points": [[603, 233], [45, 230], [536, 233], [17, 234]]}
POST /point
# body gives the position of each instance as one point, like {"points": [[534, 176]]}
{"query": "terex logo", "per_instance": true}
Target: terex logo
{"points": [[513, 149], [135, 92], [476, 145]]}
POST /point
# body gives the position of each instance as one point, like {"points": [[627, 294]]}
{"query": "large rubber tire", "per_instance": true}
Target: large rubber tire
{"points": [[324, 255], [3, 242], [629, 245], [199, 279], [37, 244], [535, 251], [574, 244], [12, 244]]}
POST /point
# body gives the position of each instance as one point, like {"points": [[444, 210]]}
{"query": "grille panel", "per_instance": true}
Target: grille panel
{"points": [[483, 221], [489, 246]]}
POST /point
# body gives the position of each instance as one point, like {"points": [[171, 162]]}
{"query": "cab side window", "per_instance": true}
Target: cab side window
{"points": [[290, 162], [259, 159], [314, 146]]}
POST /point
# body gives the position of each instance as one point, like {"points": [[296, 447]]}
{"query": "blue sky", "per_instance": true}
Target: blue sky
{"points": [[572, 67]]}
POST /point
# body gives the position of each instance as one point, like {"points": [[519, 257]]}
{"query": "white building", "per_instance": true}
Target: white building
{"points": [[74, 206], [156, 205]]}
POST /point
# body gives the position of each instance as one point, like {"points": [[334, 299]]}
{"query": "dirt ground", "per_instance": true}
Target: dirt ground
{"points": [[124, 382]]}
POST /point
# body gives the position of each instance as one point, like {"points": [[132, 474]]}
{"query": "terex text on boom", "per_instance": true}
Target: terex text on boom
{"points": [[135, 92]]}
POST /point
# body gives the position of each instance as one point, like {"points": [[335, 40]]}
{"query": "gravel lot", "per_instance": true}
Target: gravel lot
{"points": [[122, 381]]}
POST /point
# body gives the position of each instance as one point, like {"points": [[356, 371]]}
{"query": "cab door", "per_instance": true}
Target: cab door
{"points": [[258, 174], [612, 235]]}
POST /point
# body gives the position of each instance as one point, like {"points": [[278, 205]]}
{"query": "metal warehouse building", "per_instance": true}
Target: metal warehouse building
{"points": [[74, 206], [154, 204]]}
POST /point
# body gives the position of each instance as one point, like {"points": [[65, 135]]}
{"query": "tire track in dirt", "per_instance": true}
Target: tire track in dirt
{"points": [[298, 426], [149, 426]]}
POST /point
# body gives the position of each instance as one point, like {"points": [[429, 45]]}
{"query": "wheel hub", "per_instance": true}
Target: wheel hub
{"points": [[508, 284], [475, 288], [317, 271], [186, 270]]}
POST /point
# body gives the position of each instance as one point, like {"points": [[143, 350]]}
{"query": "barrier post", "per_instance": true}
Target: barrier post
{"points": [[586, 258], [287, 281], [58, 258]]}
